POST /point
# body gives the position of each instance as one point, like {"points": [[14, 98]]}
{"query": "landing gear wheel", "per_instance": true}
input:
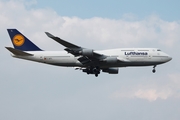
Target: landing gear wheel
{"points": [[154, 70], [96, 75]]}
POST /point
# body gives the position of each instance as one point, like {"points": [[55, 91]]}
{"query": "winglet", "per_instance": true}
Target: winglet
{"points": [[49, 35], [61, 41]]}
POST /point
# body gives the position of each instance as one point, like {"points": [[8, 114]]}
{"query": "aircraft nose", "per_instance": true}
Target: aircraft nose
{"points": [[169, 58]]}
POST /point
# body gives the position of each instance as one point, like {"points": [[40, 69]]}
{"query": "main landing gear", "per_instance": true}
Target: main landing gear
{"points": [[92, 70], [154, 70]]}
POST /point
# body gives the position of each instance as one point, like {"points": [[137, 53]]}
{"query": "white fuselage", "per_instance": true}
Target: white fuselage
{"points": [[126, 57]]}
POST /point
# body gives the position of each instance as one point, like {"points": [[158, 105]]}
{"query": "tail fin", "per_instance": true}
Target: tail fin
{"points": [[20, 42]]}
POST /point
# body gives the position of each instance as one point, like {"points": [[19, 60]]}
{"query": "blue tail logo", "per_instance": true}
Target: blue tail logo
{"points": [[21, 42]]}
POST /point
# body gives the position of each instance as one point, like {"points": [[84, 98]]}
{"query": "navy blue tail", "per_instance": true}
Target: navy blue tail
{"points": [[20, 42]]}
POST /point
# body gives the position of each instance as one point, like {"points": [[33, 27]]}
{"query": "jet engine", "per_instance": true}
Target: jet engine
{"points": [[87, 52], [111, 70]]}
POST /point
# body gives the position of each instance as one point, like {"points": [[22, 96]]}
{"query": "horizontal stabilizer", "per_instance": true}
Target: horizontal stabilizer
{"points": [[18, 52]]}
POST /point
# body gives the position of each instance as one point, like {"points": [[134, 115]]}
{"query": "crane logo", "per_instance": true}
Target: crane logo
{"points": [[18, 40]]}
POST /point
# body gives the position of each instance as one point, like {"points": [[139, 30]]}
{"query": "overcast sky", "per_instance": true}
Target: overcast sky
{"points": [[35, 91]]}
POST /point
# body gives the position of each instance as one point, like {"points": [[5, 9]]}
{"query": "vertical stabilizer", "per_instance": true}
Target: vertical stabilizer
{"points": [[21, 42]]}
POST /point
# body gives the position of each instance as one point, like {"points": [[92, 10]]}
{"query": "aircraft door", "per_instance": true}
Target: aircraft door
{"points": [[127, 57], [149, 55], [42, 58]]}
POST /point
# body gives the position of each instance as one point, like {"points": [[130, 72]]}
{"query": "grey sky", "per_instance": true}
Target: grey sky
{"points": [[34, 91]]}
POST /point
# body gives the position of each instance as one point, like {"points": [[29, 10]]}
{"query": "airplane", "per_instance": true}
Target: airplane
{"points": [[88, 60]]}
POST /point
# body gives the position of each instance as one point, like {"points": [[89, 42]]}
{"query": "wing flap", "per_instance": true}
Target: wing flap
{"points": [[84, 60], [18, 52]]}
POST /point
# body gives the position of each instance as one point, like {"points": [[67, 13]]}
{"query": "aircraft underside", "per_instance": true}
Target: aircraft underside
{"points": [[109, 68]]}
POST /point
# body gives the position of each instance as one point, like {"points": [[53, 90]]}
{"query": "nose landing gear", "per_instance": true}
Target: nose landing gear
{"points": [[154, 70]]}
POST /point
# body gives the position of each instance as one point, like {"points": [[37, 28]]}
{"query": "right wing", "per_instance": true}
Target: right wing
{"points": [[86, 55], [62, 42], [70, 48]]}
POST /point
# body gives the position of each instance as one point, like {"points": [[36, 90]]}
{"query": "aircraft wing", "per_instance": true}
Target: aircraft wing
{"points": [[86, 55], [62, 42]]}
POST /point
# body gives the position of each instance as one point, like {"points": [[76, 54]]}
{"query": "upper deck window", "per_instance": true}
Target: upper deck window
{"points": [[158, 50]]}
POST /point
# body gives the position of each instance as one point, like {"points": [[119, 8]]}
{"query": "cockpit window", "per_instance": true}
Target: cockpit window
{"points": [[158, 50]]}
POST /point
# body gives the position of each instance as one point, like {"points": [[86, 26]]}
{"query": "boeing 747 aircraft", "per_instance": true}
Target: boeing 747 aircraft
{"points": [[88, 60]]}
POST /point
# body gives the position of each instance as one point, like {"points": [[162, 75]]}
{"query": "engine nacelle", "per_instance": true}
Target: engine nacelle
{"points": [[111, 59], [111, 70], [91, 70], [87, 52]]}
